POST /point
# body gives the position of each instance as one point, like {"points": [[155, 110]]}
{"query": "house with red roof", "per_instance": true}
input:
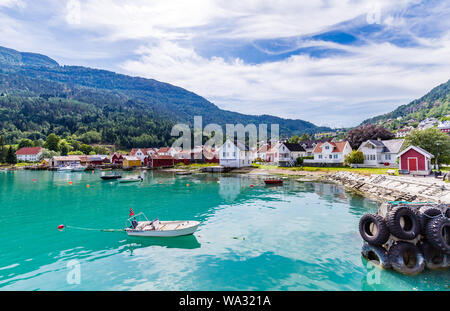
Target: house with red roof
{"points": [[330, 152], [29, 154]]}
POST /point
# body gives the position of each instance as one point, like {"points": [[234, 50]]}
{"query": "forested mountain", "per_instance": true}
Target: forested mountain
{"points": [[435, 103], [38, 97]]}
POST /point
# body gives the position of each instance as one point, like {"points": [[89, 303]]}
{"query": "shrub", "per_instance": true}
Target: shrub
{"points": [[355, 157]]}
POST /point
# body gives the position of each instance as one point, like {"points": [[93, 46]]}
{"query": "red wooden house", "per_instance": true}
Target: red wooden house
{"points": [[159, 161], [117, 158], [415, 160]]}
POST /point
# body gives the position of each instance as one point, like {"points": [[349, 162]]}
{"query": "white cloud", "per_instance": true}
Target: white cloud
{"points": [[339, 90], [335, 90], [12, 3], [236, 19]]}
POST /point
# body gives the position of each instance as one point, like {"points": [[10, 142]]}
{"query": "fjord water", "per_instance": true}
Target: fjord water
{"points": [[301, 236]]}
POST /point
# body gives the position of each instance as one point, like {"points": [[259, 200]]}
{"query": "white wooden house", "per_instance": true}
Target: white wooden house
{"points": [[234, 154], [381, 153], [330, 152]]}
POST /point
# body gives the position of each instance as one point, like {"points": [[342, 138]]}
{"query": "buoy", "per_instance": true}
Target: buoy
{"points": [[187, 185], [251, 186], [70, 182], [34, 180], [88, 186], [60, 227]]}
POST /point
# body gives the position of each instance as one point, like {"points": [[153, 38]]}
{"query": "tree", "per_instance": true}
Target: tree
{"points": [[25, 143], [86, 149], [294, 140], [304, 137], [91, 137], [299, 161], [427, 139], [11, 156], [359, 135], [78, 152], [355, 157], [2, 150], [48, 154], [52, 142]]}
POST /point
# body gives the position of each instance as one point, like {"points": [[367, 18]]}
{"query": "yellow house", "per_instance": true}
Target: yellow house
{"points": [[130, 161]]}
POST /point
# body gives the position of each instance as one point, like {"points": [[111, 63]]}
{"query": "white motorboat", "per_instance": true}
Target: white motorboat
{"points": [[156, 228], [65, 169], [131, 179], [78, 168]]}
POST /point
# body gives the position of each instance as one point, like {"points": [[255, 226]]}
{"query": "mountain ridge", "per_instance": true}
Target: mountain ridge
{"points": [[38, 74]]}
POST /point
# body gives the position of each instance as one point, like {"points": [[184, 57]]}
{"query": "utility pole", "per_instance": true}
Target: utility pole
{"points": [[437, 155]]}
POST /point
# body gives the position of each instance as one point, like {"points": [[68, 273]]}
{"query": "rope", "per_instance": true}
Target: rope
{"points": [[92, 229]]}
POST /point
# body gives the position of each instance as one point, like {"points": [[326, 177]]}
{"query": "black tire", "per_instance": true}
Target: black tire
{"points": [[426, 215], [376, 255], [438, 233], [447, 213], [406, 258], [434, 258], [369, 222], [411, 224]]}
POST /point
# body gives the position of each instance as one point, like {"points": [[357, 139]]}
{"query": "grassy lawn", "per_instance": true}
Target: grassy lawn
{"points": [[328, 169], [194, 165]]}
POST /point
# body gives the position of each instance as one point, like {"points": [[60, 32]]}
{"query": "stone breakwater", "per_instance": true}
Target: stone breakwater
{"points": [[395, 188]]}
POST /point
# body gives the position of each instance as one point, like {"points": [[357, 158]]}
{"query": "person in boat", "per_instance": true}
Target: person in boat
{"points": [[134, 223]]}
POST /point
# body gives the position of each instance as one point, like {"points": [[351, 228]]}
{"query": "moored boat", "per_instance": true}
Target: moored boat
{"points": [[273, 182], [131, 179], [111, 177], [78, 168], [156, 228]]}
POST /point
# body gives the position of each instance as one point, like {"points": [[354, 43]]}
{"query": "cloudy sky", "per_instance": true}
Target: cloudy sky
{"points": [[331, 62]]}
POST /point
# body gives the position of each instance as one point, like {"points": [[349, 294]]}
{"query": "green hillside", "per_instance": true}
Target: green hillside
{"points": [[38, 96], [434, 104]]}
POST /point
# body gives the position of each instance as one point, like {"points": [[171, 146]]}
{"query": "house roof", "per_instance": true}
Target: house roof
{"points": [[67, 158], [389, 146], [419, 150], [337, 146], [393, 145], [294, 147], [164, 149], [29, 151], [160, 157]]}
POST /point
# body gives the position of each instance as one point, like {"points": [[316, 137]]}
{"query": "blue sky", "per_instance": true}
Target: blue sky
{"points": [[331, 62]]}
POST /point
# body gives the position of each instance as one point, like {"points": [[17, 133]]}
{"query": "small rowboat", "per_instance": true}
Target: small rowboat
{"points": [[184, 173], [111, 177], [273, 182], [158, 228], [131, 179]]}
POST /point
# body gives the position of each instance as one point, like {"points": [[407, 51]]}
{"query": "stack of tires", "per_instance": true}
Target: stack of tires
{"points": [[407, 237]]}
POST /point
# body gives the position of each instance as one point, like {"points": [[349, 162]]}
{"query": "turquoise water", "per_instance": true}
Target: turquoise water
{"points": [[301, 236]]}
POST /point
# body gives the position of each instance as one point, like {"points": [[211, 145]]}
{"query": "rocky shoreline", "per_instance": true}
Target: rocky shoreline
{"points": [[375, 186], [395, 188]]}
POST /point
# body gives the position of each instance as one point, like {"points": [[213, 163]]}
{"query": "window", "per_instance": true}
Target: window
{"points": [[320, 156], [327, 147], [335, 156], [331, 156], [387, 156]]}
